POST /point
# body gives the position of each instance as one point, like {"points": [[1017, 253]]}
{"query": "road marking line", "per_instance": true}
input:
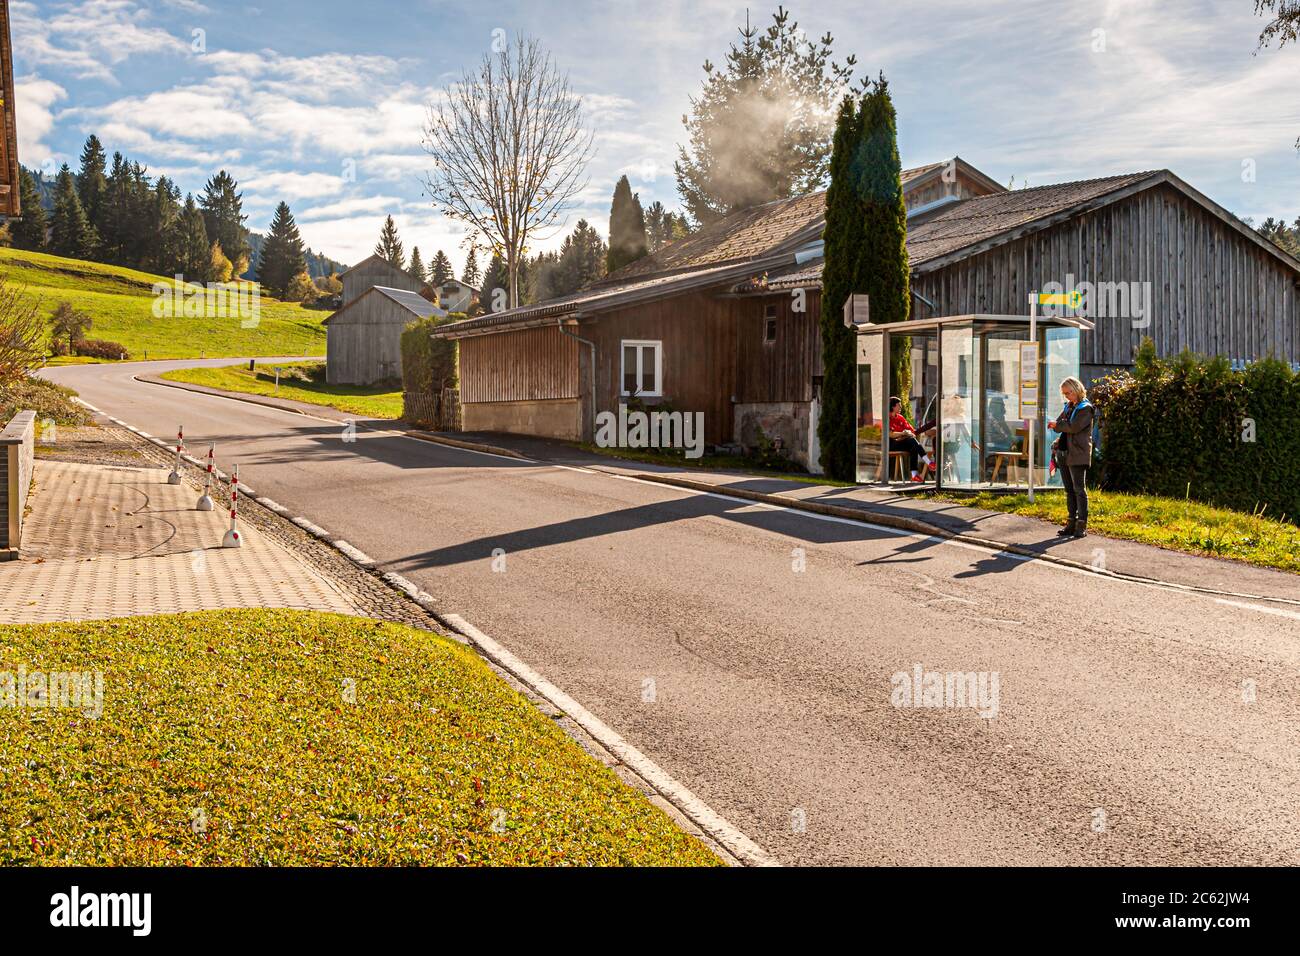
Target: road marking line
{"points": [[696, 809], [1294, 615]]}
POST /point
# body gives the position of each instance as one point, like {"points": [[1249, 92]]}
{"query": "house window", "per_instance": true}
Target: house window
{"points": [[769, 322], [642, 372]]}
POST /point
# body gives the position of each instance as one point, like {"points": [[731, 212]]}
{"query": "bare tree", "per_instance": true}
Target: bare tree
{"points": [[22, 333], [510, 150]]}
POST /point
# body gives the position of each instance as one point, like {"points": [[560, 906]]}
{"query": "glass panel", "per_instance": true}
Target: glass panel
{"points": [[870, 405], [1062, 361], [1005, 432], [629, 369], [959, 386]]}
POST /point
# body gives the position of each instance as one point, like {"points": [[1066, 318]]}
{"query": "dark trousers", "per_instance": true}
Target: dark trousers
{"points": [[915, 450], [1075, 479]]}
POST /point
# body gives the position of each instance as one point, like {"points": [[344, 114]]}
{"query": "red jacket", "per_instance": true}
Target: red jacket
{"points": [[897, 423]]}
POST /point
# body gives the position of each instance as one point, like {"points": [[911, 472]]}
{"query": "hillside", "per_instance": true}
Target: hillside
{"points": [[318, 264], [120, 303]]}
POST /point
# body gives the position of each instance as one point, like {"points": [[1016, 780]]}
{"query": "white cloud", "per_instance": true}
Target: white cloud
{"points": [[87, 39], [33, 99], [287, 185]]}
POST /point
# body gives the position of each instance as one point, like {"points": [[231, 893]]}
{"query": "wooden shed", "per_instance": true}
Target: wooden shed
{"points": [[363, 340], [376, 271]]}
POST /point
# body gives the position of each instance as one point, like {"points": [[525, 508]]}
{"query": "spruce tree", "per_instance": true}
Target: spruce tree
{"points": [[194, 250], [441, 271], [29, 231], [282, 253], [581, 260], [416, 269], [627, 236], [223, 217], [92, 184], [471, 274], [389, 245], [71, 234]]}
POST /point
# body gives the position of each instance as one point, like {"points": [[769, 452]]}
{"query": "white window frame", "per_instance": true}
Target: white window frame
{"points": [[641, 345]]}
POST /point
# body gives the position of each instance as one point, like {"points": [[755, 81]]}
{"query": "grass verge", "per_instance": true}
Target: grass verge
{"points": [[230, 737], [1170, 523], [371, 401]]}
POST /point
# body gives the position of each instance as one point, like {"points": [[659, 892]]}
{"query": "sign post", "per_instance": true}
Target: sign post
{"points": [[1029, 382]]}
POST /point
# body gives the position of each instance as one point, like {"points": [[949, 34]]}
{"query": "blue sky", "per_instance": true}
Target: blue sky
{"points": [[291, 96]]}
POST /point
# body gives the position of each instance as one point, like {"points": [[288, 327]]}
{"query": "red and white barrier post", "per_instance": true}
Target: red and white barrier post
{"points": [[205, 502], [232, 538], [175, 477]]}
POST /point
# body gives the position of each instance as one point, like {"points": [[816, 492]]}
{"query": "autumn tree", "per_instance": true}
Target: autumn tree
{"points": [[510, 149]]}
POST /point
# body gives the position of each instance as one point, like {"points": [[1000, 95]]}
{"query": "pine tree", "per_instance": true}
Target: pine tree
{"points": [[194, 252], [92, 184], [416, 268], [627, 237], [166, 216], [581, 260], [223, 217], [29, 231], [441, 271], [471, 275], [389, 245], [758, 130], [495, 295], [282, 253], [71, 234]]}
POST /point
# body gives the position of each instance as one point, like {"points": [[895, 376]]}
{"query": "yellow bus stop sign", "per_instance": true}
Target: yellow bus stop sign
{"points": [[1070, 300]]}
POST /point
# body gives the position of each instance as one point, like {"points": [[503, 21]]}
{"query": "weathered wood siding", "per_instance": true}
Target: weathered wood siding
{"points": [[519, 366], [698, 332], [1212, 289], [370, 274], [782, 370], [364, 344]]}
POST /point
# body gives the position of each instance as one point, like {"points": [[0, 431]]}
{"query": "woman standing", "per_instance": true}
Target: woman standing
{"points": [[1073, 453]]}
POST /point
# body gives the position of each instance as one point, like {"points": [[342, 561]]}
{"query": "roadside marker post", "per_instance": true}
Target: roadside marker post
{"points": [[175, 477], [205, 502], [232, 538]]}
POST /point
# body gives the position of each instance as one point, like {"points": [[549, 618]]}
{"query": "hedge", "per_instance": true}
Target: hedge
{"points": [[1192, 427], [429, 365]]}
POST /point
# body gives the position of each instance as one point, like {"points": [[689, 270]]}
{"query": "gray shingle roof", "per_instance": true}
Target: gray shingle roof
{"points": [[411, 301]]}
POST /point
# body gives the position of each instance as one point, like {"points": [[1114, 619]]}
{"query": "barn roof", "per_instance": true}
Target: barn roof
{"points": [[412, 302], [375, 259]]}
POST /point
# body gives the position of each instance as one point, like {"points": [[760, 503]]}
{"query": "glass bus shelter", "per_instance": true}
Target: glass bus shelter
{"points": [[961, 384]]}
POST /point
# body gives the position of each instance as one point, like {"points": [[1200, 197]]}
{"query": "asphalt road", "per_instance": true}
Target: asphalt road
{"points": [[749, 651]]}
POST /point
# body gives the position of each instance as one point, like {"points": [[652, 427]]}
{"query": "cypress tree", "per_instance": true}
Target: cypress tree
{"points": [[29, 231], [627, 235], [842, 237], [71, 234], [389, 245], [440, 271], [282, 253]]}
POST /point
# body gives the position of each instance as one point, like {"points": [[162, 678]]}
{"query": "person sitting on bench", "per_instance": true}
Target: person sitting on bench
{"points": [[902, 437]]}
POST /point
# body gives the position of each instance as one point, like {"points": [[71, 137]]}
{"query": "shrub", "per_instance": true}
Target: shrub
{"points": [[101, 348], [69, 324], [1192, 427], [429, 365], [301, 289], [43, 397]]}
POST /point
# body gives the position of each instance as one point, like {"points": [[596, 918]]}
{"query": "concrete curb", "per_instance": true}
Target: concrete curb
{"points": [[219, 393], [466, 445]]}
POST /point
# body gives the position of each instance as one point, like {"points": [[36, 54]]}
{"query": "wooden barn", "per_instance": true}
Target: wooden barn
{"points": [[363, 340], [726, 321], [376, 271]]}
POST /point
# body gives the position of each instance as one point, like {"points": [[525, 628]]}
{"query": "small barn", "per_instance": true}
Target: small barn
{"points": [[363, 340], [376, 271]]}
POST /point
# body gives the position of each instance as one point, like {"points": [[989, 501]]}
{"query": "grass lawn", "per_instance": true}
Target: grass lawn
{"points": [[371, 401], [120, 303], [1166, 522], [228, 738]]}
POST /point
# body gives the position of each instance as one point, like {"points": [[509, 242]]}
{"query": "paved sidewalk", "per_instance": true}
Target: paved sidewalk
{"points": [[105, 541]]}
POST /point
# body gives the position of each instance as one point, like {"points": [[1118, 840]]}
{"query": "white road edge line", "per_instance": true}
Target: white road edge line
{"points": [[696, 809], [1294, 615]]}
